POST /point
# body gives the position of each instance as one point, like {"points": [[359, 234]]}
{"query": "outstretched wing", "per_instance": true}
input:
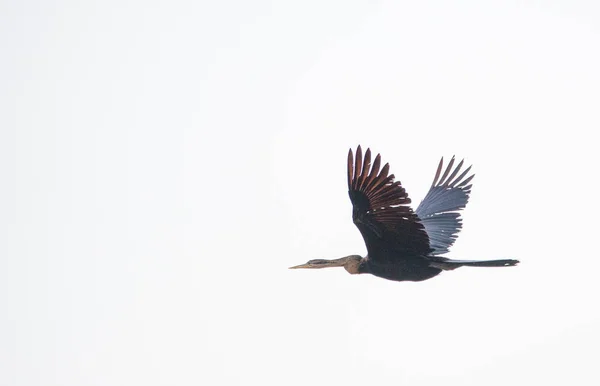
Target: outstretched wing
{"points": [[439, 209], [380, 210]]}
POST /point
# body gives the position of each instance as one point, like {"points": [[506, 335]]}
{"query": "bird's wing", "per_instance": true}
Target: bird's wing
{"points": [[381, 211], [439, 210]]}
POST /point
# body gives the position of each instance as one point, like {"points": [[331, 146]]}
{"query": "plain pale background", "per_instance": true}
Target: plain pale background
{"points": [[163, 163]]}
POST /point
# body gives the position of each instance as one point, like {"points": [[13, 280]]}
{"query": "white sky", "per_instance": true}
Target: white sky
{"points": [[163, 163]]}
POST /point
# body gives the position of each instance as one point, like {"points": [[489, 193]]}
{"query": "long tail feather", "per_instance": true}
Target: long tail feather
{"points": [[452, 264], [485, 263]]}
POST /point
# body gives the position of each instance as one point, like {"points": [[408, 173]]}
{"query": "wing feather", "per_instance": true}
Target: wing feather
{"points": [[365, 169], [439, 210], [381, 211]]}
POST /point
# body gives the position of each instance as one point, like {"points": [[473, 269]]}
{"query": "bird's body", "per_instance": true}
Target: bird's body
{"points": [[402, 244]]}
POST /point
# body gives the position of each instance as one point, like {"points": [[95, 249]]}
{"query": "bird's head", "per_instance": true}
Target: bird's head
{"points": [[351, 263]]}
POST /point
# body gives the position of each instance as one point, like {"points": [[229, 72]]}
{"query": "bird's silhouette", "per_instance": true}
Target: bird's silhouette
{"points": [[402, 244]]}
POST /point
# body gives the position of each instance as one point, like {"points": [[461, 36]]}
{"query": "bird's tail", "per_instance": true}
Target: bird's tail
{"points": [[448, 264]]}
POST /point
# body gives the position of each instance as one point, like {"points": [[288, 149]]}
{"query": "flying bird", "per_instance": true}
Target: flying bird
{"points": [[402, 244]]}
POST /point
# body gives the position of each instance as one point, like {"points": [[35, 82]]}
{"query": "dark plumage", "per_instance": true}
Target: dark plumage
{"points": [[403, 244]]}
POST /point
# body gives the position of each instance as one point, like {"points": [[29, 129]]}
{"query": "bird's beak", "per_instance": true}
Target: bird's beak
{"points": [[301, 266]]}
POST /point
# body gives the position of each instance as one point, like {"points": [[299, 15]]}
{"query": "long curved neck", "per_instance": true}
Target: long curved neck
{"points": [[351, 263]]}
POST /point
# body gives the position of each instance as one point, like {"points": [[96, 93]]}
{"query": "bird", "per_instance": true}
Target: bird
{"points": [[402, 244]]}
